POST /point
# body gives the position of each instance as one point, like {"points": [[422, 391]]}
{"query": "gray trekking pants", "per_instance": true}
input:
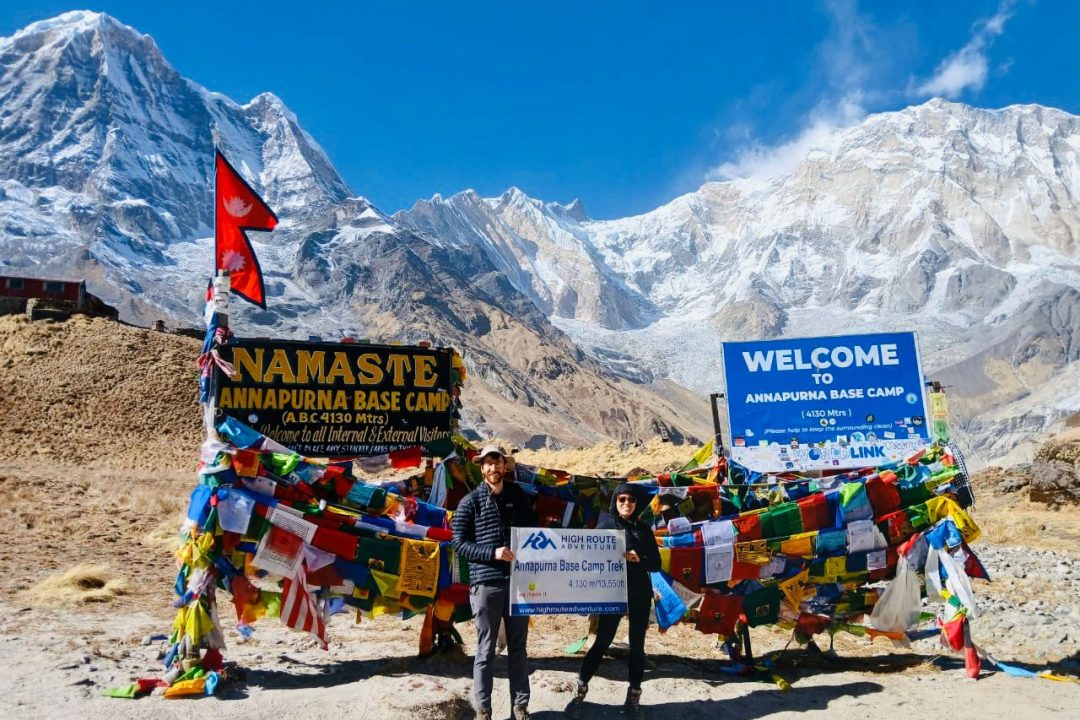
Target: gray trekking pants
{"points": [[490, 604]]}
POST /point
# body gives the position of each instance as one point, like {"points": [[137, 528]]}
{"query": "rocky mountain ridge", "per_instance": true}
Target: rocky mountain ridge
{"points": [[957, 222]]}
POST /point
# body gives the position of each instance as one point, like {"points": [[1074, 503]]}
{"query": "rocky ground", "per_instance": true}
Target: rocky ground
{"points": [[1031, 609], [57, 661]]}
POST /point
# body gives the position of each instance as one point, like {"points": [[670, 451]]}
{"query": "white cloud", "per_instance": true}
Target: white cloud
{"points": [[853, 61], [843, 62], [967, 68], [822, 132]]}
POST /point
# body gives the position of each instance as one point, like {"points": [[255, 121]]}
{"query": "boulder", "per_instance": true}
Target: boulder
{"points": [[1056, 470]]}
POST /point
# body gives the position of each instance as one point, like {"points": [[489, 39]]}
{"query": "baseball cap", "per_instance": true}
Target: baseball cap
{"points": [[490, 450]]}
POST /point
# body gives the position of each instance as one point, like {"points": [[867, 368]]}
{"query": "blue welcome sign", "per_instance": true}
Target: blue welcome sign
{"points": [[829, 402]]}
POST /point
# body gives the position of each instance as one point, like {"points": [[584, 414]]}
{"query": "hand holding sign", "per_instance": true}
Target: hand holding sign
{"points": [[505, 554]]}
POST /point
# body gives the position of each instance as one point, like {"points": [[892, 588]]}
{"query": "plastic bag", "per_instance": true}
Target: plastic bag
{"points": [[899, 607], [956, 583]]}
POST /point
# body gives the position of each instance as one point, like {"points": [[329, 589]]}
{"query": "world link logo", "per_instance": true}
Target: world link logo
{"points": [[539, 541]]}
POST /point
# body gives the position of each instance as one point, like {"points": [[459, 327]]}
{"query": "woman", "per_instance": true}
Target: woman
{"points": [[642, 557]]}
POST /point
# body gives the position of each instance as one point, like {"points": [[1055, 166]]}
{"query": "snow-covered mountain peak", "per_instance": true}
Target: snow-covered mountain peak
{"points": [[574, 210], [270, 104], [71, 23], [106, 172], [81, 34], [292, 159], [515, 197], [92, 107]]}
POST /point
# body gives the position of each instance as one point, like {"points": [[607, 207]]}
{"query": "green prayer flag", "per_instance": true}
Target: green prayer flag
{"points": [[577, 646], [700, 458], [272, 600], [379, 553], [473, 476], [440, 448], [281, 464], [762, 607], [918, 516], [678, 480], [257, 526], [127, 691], [913, 493], [781, 521]]}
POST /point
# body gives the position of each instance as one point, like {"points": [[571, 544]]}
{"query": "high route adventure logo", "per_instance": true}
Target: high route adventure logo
{"points": [[539, 541]]}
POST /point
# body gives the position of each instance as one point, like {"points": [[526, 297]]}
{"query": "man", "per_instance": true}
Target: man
{"points": [[481, 526]]}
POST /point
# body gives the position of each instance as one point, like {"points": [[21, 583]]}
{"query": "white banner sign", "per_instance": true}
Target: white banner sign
{"points": [[567, 572]]}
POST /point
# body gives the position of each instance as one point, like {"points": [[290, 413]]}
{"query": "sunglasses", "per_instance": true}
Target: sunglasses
{"points": [[626, 499]]}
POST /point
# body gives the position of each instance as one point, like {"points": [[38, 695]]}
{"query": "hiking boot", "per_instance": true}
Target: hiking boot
{"points": [[632, 707], [521, 713], [483, 714], [573, 710]]}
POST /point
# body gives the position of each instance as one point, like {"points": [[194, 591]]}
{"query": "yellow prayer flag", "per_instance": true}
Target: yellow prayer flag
{"points": [[193, 621], [943, 506], [195, 686], [794, 589], [801, 545], [387, 583], [700, 457], [419, 568], [385, 606], [753, 551]]}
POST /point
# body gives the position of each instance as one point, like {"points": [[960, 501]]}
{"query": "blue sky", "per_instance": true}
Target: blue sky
{"points": [[622, 104]]}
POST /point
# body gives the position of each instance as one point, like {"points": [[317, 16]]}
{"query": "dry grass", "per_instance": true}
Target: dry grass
{"points": [[132, 495], [606, 458], [166, 535], [125, 518], [1018, 521], [1012, 518], [96, 391], [80, 585], [1006, 528]]}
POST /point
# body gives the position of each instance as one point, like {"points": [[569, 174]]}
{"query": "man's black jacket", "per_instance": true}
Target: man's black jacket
{"points": [[479, 530]]}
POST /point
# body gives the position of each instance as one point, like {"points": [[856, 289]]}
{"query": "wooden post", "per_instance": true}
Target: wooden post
{"points": [[718, 435]]}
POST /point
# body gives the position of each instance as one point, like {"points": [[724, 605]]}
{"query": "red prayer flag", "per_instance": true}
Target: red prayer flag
{"points": [[718, 613], [239, 208], [407, 458]]}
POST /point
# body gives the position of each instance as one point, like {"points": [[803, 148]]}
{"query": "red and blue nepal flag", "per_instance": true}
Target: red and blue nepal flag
{"points": [[239, 209]]}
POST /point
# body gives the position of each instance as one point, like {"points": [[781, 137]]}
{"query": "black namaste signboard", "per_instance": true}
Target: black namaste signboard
{"points": [[338, 399]]}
